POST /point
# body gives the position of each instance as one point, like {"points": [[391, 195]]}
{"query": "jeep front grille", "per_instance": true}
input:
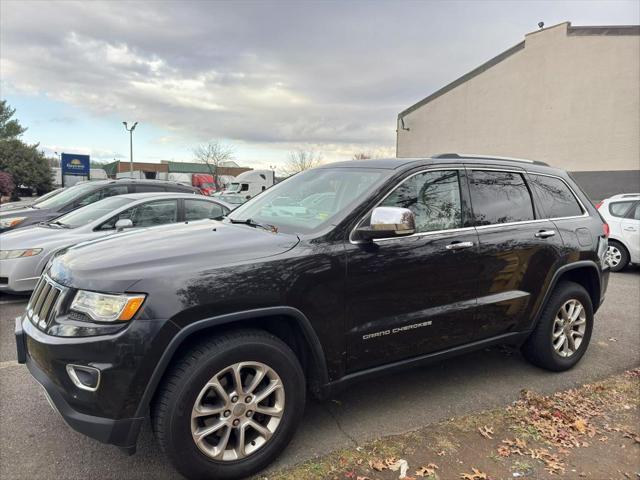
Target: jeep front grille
{"points": [[43, 303]]}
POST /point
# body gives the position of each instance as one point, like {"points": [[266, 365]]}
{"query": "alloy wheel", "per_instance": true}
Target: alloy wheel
{"points": [[614, 255], [569, 328], [237, 411]]}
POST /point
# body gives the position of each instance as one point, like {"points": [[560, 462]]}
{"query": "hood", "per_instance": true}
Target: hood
{"points": [[116, 262], [21, 211], [44, 237], [6, 207], [33, 215]]}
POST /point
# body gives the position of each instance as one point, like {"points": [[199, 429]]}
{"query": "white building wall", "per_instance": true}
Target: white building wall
{"points": [[570, 100]]}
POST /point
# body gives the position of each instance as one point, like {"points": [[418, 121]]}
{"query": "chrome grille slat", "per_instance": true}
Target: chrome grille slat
{"points": [[43, 303], [35, 294], [37, 308], [47, 306]]}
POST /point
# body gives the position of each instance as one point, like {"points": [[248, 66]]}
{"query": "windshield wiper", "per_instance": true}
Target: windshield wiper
{"points": [[251, 223], [59, 224]]}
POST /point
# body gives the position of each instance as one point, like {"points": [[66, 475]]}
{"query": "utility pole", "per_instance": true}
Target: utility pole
{"points": [[130, 130]]}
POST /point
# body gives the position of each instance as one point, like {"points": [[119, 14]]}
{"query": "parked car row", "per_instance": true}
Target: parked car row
{"points": [[216, 330], [82, 194], [24, 251]]}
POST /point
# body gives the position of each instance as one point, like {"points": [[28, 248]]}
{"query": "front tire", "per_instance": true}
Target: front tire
{"points": [[564, 328], [230, 405]]}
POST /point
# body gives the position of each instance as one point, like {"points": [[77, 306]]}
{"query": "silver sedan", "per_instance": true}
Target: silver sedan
{"points": [[25, 252]]}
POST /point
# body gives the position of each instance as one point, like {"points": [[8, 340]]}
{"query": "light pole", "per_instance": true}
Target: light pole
{"points": [[130, 130]]}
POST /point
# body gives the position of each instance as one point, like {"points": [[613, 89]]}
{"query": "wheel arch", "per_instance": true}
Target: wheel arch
{"points": [[585, 273], [287, 323]]}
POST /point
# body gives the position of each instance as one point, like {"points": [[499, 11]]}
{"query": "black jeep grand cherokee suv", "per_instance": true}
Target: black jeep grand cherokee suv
{"points": [[217, 329]]}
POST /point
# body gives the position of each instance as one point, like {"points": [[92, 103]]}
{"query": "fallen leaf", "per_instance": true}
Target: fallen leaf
{"points": [[377, 464], [476, 475], [486, 432], [580, 425], [504, 451], [427, 470]]}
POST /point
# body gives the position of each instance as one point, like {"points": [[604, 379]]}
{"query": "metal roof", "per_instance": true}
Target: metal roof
{"points": [[189, 167]]}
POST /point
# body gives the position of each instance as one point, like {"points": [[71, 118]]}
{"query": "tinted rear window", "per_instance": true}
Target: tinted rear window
{"points": [[556, 199], [150, 188], [180, 188], [499, 197]]}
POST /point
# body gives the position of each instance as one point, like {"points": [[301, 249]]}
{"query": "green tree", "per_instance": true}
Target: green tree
{"points": [[9, 128], [26, 164]]}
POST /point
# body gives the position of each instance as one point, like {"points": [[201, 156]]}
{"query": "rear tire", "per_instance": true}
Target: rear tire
{"points": [[618, 256], [187, 392], [558, 342]]}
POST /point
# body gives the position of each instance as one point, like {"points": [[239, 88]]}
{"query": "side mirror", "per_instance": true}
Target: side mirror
{"points": [[123, 223], [388, 222]]}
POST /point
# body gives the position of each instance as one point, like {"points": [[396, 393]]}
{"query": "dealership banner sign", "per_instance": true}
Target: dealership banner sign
{"points": [[73, 164]]}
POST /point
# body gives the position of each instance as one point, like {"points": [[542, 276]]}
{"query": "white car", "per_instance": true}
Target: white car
{"points": [[622, 213], [25, 252]]}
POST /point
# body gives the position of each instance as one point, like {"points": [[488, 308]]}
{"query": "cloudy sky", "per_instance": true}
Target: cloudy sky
{"points": [[264, 77]]}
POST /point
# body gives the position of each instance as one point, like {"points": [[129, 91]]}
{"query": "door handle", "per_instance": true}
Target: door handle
{"points": [[630, 229], [545, 233], [459, 245]]}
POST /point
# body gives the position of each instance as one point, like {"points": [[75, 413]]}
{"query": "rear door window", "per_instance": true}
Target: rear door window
{"points": [[499, 197], [556, 199], [619, 209], [634, 212]]}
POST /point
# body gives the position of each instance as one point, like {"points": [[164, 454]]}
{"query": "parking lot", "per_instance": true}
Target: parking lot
{"points": [[37, 444]]}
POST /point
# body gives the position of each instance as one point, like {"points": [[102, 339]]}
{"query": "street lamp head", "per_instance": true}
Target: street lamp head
{"points": [[134, 126], [125, 124]]}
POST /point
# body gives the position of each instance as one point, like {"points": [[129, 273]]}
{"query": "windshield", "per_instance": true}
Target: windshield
{"points": [[46, 196], [91, 212], [234, 187], [309, 200], [67, 196]]}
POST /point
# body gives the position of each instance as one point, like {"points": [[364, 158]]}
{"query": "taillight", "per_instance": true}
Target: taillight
{"points": [[598, 205], [605, 230]]}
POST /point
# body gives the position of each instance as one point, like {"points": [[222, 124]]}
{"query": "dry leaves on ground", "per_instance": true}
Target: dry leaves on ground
{"points": [[486, 432], [427, 470], [476, 475]]}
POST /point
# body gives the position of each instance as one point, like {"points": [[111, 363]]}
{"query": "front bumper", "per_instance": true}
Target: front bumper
{"points": [[110, 414], [19, 274]]}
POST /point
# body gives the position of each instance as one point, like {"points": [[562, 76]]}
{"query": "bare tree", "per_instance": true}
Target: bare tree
{"points": [[212, 154], [301, 160], [361, 156]]}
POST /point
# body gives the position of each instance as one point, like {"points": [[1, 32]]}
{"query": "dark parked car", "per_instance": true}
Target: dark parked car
{"points": [[219, 328], [80, 195]]}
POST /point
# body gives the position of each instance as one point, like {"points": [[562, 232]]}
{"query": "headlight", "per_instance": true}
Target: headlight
{"points": [[103, 307], [30, 252], [11, 222]]}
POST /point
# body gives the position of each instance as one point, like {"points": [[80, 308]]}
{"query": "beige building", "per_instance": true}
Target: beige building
{"points": [[569, 96]]}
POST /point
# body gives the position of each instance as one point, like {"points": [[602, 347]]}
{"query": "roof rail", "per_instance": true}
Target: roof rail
{"points": [[488, 157], [626, 195]]}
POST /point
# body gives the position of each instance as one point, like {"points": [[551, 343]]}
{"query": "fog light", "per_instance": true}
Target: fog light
{"points": [[83, 377]]}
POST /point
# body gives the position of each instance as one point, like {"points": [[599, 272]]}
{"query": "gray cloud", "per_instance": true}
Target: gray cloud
{"points": [[318, 73]]}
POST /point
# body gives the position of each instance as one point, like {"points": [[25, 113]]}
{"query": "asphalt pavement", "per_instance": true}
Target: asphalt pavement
{"points": [[35, 443]]}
